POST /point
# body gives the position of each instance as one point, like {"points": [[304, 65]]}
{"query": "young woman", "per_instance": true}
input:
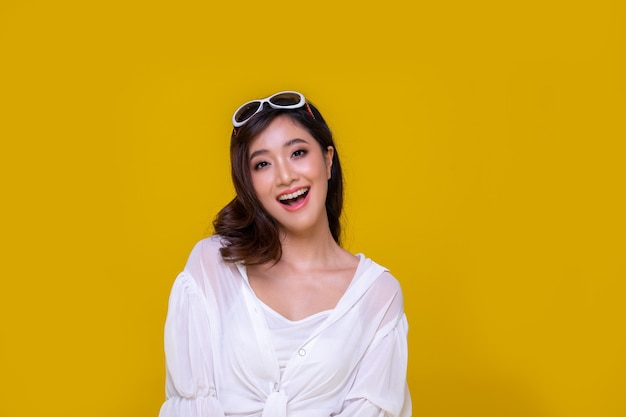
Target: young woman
{"points": [[271, 317]]}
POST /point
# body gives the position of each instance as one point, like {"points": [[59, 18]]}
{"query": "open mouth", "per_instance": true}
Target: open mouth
{"points": [[293, 198]]}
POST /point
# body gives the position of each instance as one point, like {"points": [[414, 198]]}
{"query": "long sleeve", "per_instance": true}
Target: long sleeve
{"points": [[380, 388], [190, 380]]}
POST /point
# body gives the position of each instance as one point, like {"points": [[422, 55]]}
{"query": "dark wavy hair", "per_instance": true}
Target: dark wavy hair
{"points": [[249, 234]]}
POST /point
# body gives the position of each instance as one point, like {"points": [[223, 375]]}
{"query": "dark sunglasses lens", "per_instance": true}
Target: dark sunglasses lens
{"points": [[285, 99], [247, 111]]}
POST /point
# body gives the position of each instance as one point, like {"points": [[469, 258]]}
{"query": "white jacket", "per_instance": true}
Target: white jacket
{"points": [[221, 359]]}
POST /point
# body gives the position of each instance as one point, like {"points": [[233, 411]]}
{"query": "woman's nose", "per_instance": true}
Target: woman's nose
{"points": [[285, 174]]}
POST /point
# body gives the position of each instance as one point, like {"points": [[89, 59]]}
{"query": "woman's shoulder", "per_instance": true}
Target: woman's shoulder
{"points": [[213, 242], [205, 259], [208, 271], [207, 249], [383, 282]]}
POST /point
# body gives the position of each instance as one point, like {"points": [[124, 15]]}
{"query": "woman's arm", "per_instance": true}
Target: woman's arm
{"points": [[380, 386], [190, 381]]}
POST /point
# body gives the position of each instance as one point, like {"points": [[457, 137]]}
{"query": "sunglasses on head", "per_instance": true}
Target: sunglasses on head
{"points": [[284, 100]]}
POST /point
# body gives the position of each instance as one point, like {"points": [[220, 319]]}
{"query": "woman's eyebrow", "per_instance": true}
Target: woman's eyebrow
{"points": [[294, 141]]}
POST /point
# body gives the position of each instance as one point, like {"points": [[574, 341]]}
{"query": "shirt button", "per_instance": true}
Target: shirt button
{"points": [[302, 352]]}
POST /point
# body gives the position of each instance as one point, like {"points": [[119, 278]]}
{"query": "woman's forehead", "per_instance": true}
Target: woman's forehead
{"points": [[282, 132]]}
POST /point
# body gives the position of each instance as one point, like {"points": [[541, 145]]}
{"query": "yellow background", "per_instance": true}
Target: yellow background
{"points": [[483, 144]]}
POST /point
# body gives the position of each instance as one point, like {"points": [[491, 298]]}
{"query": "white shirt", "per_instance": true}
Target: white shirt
{"points": [[221, 355]]}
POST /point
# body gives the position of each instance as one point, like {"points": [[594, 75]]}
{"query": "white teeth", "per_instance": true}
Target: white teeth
{"points": [[293, 195]]}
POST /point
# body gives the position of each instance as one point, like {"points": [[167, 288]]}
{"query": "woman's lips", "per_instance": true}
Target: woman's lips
{"points": [[295, 199]]}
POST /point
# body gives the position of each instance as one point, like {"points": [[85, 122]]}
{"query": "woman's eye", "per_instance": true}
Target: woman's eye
{"points": [[260, 165], [298, 153]]}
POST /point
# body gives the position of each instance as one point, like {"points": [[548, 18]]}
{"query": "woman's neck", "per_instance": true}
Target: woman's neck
{"points": [[310, 250]]}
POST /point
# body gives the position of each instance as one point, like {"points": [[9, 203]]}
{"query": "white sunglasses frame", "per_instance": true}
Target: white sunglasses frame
{"points": [[262, 101]]}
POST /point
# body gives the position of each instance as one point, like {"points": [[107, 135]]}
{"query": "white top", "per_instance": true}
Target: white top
{"points": [[221, 357], [288, 335]]}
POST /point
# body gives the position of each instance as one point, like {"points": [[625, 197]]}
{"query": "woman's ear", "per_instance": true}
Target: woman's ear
{"points": [[328, 158]]}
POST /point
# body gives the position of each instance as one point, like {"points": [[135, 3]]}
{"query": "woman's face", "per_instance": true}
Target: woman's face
{"points": [[290, 175]]}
